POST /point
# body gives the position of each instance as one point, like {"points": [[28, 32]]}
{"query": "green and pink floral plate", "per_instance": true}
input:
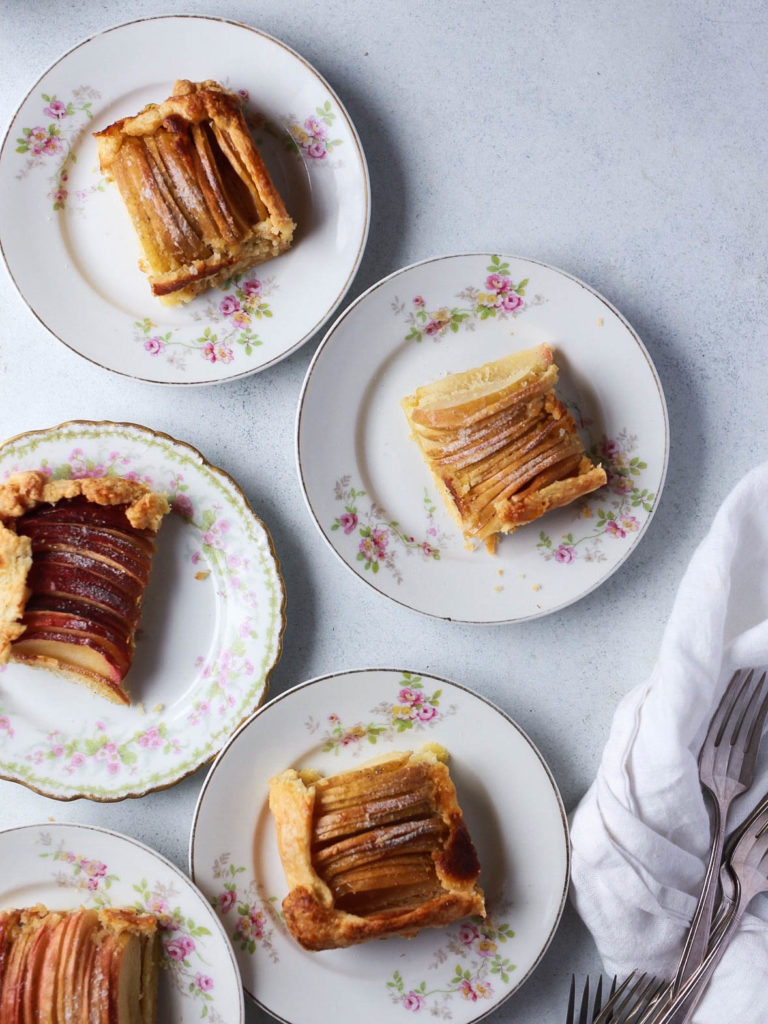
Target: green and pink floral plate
{"points": [[211, 629], [365, 482], [65, 866], [69, 243], [512, 808]]}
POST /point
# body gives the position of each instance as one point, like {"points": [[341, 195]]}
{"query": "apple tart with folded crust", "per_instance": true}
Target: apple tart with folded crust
{"points": [[81, 966], [199, 195], [500, 445], [379, 850], [75, 560]]}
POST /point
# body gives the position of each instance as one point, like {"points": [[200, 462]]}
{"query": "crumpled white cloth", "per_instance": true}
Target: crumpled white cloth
{"points": [[640, 835]]}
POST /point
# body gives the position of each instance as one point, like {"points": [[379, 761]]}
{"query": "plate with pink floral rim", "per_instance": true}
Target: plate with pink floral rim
{"points": [[68, 240], [210, 633], [363, 477], [335, 723], [67, 866]]}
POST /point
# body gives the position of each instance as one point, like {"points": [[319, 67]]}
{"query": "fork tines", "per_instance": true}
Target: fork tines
{"points": [[738, 720], [627, 1003], [585, 1016], [631, 1000]]}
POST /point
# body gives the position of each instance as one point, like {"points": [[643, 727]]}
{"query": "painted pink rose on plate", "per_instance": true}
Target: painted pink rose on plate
{"points": [[413, 1002], [180, 948], [497, 283], [227, 900], [55, 109], [229, 305]]}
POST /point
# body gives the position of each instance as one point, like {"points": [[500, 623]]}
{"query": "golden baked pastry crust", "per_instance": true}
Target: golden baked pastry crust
{"points": [[23, 493], [200, 197], [15, 563], [500, 445], [377, 851]]}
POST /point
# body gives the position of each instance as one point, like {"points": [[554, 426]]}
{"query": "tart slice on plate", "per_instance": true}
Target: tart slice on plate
{"points": [[500, 445], [75, 560], [379, 850], [199, 195], [77, 966]]}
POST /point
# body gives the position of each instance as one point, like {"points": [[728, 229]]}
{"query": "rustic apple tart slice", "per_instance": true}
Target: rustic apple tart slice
{"points": [[500, 445], [80, 966], [379, 850], [199, 195], [75, 560]]}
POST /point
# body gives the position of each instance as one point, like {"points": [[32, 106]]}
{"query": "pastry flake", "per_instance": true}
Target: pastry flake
{"points": [[75, 560], [500, 445], [199, 195], [376, 851]]}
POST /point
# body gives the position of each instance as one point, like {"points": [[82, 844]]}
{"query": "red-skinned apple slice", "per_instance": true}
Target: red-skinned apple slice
{"points": [[36, 954], [116, 549], [49, 971], [72, 926], [122, 535], [107, 575], [43, 620], [14, 980], [80, 608], [99, 982], [78, 510], [78, 948], [98, 643], [91, 967], [66, 580], [79, 649]]}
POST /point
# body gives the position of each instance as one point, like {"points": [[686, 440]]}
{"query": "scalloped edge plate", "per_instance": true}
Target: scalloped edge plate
{"points": [[210, 634]]}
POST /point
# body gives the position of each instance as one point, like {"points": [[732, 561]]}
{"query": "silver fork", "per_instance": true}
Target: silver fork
{"points": [[727, 883], [631, 1001], [748, 864], [726, 769], [624, 1005], [585, 1017]]}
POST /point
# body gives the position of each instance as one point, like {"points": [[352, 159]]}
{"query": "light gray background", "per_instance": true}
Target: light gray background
{"points": [[622, 141]]}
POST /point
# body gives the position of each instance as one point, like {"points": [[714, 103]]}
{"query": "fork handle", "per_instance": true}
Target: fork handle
{"points": [[681, 1009], [697, 940]]}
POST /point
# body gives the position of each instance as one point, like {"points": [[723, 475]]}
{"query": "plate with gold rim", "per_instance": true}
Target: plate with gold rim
{"points": [[66, 866], [336, 722], [365, 483], [210, 633], [85, 253]]}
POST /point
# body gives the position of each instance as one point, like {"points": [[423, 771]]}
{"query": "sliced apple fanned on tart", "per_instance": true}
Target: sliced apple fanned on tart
{"points": [[75, 560], [502, 448], [80, 966], [199, 195], [379, 850]]}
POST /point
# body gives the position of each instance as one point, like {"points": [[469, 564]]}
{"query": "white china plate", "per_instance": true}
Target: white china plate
{"points": [[210, 633], [333, 723], [69, 243], [66, 866], [364, 479]]}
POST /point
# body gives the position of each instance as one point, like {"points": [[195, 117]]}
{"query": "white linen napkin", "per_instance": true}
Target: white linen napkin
{"points": [[640, 835]]}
